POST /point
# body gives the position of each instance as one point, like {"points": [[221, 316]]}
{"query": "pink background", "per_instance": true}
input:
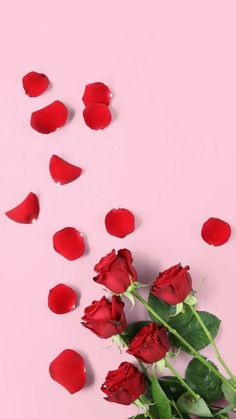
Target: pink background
{"points": [[169, 156]]}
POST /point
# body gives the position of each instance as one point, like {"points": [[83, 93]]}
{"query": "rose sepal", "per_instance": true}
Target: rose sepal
{"points": [[190, 300], [179, 308], [159, 365]]}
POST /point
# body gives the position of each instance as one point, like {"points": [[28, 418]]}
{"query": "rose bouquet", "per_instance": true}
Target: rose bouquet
{"points": [[175, 325]]}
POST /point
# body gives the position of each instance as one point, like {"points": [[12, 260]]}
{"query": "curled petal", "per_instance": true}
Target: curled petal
{"points": [[97, 93], [62, 299], [120, 222], [63, 172], [50, 118], [68, 369], [97, 116], [216, 231], [27, 211], [69, 242], [35, 83]]}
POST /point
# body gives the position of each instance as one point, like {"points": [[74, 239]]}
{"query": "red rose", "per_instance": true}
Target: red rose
{"points": [[173, 285], [150, 344], [105, 318], [124, 385], [115, 271]]}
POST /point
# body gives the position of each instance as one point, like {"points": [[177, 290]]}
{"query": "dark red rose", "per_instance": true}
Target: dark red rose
{"points": [[115, 271], [150, 344], [105, 318], [124, 385], [173, 285]]}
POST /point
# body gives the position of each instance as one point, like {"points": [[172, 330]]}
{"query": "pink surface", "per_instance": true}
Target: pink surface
{"points": [[169, 156]]}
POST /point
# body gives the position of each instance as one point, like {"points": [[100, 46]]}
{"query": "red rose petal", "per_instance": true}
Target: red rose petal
{"points": [[97, 116], [69, 242], [62, 299], [216, 231], [27, 211], [63, 172], [50, 118], [120, 222], [68, 369], [96, 93], [35, 83]]}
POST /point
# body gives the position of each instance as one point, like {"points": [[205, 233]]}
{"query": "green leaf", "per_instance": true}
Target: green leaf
{"points": [[133, 329], [160, 399], [160, 307], [189, 328], [229, 394], [197, 408], [172, 387], [203, 381]]}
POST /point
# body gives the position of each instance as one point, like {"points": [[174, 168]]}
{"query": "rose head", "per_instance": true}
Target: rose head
{"points": [[105, 318], [173, 285], [150, 344], [124, 385], [115, 271]]}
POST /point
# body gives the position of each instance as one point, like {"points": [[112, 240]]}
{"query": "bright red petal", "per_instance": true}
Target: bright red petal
{"points": [[68, 369], [62, 299], [96, 93], [63, 172], [27, 211], [69, 242], [35, 83], [120, 222], [50, 118], [97, 116], [216, 231]]}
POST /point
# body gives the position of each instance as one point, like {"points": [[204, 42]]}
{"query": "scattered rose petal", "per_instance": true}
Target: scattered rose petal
{"points": [[120, 222], [63, 172], [96, 93], [216, 231], [62, 299], [97, 116], [68, 369], [35, 83], [27, 211], [69, 242], [50, 118]]}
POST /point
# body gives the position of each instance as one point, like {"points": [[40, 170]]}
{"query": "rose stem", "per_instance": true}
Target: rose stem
{"points": [[138, 403], [211, 340], [172, 402], [181, 339], [184, 384]]}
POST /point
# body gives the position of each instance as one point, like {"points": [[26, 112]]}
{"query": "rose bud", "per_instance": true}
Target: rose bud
{"points": [[105, 318], [115, 271], [173, 285], [124, 385], [150, 344]]}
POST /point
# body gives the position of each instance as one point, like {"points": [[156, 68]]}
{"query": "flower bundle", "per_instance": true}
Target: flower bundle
{"points": [[175, 325]]}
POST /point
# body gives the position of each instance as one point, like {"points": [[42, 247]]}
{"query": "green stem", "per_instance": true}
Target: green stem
{"points": [[138, 403], [172, 402], [229, 408], [183, 341], [211, 340], [184, 384]]}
